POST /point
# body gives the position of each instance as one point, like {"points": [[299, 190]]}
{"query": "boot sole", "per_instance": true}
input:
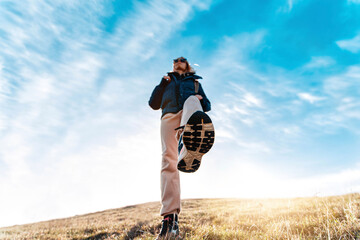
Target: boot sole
{"points": [[198, 137]]}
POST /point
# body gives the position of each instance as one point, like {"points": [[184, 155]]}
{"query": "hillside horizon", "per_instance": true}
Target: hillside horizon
{"points": [[331, 217], [157, 202]]}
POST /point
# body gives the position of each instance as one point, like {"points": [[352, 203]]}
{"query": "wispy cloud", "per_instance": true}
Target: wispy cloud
{"points": [[354, 1], [344, 85], [310, 98], [273, 110], [352, 45], [320, 62], [72, 110], [339, 102], [288, 7]]}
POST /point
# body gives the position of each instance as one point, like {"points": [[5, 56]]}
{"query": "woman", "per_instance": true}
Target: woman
{"points": [[186, 134]]}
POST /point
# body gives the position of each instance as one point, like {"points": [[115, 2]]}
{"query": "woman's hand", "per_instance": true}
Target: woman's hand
{"points": [[167, 78], [199, 96]]}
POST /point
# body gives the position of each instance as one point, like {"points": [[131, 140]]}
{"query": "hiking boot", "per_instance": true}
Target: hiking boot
{"points": [[169, 228], [196, 139]]}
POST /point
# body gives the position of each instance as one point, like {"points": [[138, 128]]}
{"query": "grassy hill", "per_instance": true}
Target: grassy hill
{"points": [[336, 217]]}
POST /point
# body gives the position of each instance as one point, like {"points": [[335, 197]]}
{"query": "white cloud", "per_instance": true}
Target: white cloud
{"points": [[243, 107], [310, 98], [150, 26], [278, 122], [320, 62], [349, 106], [338, 107], [354, 1], [352, 45], [292, 130], [250, 100], [290, 3], [288, 7], [344, 85]]}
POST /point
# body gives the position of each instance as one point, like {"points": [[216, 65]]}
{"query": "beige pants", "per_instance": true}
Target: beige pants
{"points": [[170, 180]]}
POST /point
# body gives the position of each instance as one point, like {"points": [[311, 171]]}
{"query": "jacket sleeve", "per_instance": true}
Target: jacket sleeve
{"points": [[205, 103], [156, 96]]}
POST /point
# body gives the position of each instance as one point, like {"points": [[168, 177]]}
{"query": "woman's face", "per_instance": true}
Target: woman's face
{"points": [[180, 64]]}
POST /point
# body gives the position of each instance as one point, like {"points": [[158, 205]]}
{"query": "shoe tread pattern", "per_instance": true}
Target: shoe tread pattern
{"points": [[200, 137], [194, 167]]}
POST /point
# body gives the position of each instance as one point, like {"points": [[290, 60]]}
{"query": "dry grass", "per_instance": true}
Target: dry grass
{"points": [[335, 217]]}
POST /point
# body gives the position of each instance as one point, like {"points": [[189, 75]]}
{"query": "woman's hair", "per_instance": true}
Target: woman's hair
{"points": [[189, 68]]}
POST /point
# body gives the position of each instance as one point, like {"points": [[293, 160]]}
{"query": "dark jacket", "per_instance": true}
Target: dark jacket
{"points": [[170, 96]]}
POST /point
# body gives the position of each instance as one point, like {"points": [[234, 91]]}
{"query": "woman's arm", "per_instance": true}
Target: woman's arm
{"points": [[205, 103], [156, 96]]}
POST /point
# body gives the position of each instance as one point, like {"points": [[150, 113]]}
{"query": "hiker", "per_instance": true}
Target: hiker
{"points": [[186, 134]]}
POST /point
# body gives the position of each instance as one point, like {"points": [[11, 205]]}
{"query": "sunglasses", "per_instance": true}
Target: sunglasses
{"points": [[181, 60]]}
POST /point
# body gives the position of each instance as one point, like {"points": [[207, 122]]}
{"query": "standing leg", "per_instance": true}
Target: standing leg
{"points": [[170, 180]]}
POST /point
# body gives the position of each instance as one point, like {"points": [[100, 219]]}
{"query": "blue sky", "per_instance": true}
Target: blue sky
{"points": [[77, 135]]}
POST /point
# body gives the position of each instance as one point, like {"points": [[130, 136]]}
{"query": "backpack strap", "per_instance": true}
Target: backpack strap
{"points": [[196, 83]]}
